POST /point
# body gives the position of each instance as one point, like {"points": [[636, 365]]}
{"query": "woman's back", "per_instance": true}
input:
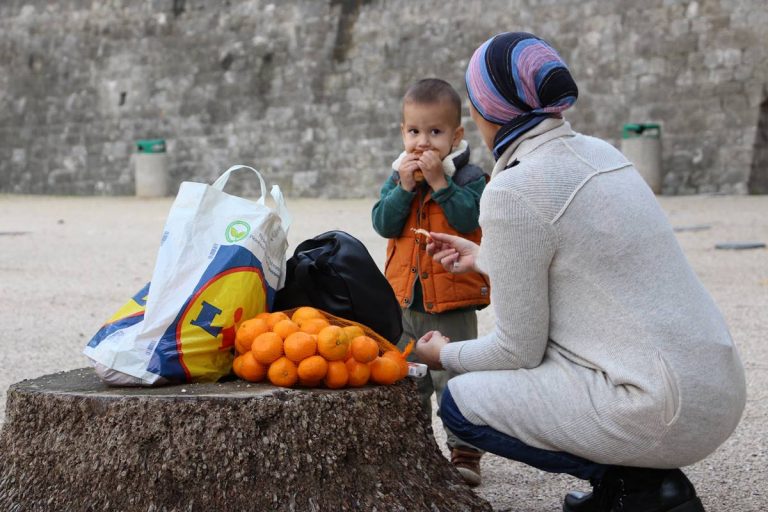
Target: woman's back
{"points": [[623, 299]]}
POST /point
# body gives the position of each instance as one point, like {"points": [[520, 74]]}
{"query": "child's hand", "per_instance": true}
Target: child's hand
{"points": [[408, 165], [432, 167]]}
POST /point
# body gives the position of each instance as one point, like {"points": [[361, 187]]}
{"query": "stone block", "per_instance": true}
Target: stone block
{"points": [[102, 73]]}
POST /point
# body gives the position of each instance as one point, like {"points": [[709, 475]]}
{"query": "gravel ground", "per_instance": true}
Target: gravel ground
{"points": [[66, 264]]}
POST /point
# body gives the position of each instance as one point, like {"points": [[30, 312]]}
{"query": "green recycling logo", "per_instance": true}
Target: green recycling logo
{"points": [[237, 230]]}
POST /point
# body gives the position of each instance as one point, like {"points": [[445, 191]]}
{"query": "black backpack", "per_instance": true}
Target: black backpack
{"points": [[336, 273]]}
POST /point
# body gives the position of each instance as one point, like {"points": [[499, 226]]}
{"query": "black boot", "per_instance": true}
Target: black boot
{"points": [[576, 501], [599, 500], [625, 489], [654, 490]]}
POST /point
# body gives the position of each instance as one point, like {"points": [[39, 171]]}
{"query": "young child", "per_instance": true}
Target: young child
{"points": [[433, 188]]}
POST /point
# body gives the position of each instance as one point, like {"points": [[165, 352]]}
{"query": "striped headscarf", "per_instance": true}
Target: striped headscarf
{"points": [[517, 80]]}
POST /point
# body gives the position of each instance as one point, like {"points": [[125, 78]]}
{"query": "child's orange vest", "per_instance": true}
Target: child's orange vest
{"points": [[407, 260]]}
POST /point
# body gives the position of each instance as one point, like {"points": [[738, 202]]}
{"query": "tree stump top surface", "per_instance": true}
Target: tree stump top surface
{"points": [[83, 382]]}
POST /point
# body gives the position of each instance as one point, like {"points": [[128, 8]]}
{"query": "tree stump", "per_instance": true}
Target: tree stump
{"points": [[71, 443]]}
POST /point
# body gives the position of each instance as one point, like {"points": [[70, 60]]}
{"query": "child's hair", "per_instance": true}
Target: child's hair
{"points": [[434, 90]]}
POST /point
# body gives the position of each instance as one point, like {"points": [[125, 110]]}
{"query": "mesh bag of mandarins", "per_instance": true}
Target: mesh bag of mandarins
{"points": [[308, 347]]}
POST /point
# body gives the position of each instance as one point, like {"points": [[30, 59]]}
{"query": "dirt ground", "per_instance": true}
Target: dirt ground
{"points": [[66, 264]]}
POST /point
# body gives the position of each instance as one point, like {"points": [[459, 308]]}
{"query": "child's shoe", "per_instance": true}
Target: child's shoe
{"points": [[467, 462]]}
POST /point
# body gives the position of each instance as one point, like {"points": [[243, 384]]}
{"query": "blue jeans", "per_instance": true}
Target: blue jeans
{"points": [[490, 440]]}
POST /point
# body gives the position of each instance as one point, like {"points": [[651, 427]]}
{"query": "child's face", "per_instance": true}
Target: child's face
{"points": [[430, 126]]}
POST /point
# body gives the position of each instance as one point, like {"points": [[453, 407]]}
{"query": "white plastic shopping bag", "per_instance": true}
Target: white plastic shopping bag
{"points": [[221, 260]]}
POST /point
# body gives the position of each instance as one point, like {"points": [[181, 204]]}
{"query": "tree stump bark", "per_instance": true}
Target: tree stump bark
{"points": [[71, 443]]}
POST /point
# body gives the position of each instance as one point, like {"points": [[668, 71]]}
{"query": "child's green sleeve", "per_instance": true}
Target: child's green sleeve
{"points": [[391, 211], [461, 205]]}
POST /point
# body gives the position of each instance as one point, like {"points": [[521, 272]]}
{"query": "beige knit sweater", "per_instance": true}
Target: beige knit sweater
{"points": [[606, 344]]}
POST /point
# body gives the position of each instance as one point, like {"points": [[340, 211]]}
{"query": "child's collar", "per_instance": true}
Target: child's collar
{"points": [[458, 158]]}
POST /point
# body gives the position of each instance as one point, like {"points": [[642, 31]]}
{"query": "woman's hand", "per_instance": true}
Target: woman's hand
{"points": [[428, 349], [454, 253]]}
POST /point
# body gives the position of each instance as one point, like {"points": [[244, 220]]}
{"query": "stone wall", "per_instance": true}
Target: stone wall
{"points": [[309, 91]]}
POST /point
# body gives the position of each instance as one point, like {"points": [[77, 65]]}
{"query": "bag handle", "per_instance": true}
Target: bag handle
{"points": [[222, 180], [282, 209], [286, 219]]}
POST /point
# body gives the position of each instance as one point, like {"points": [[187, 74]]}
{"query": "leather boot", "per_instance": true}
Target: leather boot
{"points": [[625, 489], [595, 501]]}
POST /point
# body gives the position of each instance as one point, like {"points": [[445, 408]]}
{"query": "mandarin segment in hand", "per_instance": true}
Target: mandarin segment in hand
{"points": [[422, 232]]}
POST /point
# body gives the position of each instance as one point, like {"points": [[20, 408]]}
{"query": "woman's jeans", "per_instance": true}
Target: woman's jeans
{"points": [[493, 441]]}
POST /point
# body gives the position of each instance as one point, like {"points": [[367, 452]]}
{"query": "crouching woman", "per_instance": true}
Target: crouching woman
{"points": [[609, 360]]}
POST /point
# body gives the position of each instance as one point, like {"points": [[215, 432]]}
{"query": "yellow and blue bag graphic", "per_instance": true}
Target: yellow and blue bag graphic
{"points": [[220, 262], [131, 313], [200, 340]]}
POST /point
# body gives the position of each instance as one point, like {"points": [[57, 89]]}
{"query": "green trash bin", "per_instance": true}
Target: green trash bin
{"points": [[151, 168], [641, 143]]}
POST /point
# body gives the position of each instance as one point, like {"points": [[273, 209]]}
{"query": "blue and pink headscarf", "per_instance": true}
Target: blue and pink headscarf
{"points": [[517, 80]]}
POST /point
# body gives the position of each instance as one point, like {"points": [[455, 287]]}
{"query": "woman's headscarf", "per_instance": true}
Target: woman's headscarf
{"points": [[517, 80]]}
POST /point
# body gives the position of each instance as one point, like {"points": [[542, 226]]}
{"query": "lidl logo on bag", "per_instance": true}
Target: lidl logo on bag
{"points": [[198, 343], [237, 230]]}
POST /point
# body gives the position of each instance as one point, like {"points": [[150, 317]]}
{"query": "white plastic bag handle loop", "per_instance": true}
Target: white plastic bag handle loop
{"points": [[282, 210], [222, 180]]}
